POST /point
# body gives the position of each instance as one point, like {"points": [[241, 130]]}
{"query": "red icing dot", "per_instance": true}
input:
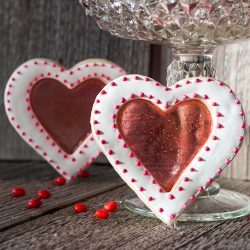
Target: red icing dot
{"points": [[200, 189], [227, 161], [124, 170], [44, 153], [122, 100], [86, 164], [197, 80], [214, 137], [185, 179], [166, 88], [103, 141], [138, 163], [241, 113], [110, 152], [237, 101], [180, 188], [220, 83], [119, 136], [177, 85], [73, 159], [240, 138], [124, 78], [132, 180], [18, 191], [34, 203], [131, 154], [43, 194], [124, 145], [235, 150], [80, 207], [95, 121], [210, 180], [207, 148], [208, 79], [114, 125], [158, 101], [117, 162], [132, 95], [187, 81], [192, 169], [153, 181], [157, 84], [117, 106], [172, 216], [98, 132], [171, 197], [199, 159], [141, 188], [136, 77], [160, 210], [103, 92], [145, 172], [166, 105], [150, 198], [213, 103], [218, 125], [141, 94], [205, 96], [175, 101], [184, 97], [160, 190], [184, 206], [192, 197], [242, 125], [112, 83], [218, 114], [218, 170], [65, 156], [230, 90]]}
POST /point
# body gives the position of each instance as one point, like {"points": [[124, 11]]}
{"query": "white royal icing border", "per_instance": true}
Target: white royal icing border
{"points": [[21, 116], [221, 147]]}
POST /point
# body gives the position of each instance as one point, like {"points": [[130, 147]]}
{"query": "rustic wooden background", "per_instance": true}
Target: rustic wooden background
{"points": [[59, 30]]}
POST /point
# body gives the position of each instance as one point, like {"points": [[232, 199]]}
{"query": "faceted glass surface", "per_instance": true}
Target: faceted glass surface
{"points": [[187, 26]]}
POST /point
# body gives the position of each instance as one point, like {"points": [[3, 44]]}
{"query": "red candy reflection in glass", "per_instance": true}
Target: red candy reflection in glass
{"points": [[165, 142]]}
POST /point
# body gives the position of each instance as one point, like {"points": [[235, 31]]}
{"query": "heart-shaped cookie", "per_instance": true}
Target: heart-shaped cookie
{"points": [[168, 144], [50, 108]]}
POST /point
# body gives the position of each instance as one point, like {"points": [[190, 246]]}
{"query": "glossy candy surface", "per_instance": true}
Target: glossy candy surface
{"points": [[165, 142]]}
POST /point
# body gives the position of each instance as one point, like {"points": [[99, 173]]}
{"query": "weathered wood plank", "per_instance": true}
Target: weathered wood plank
{"points": [[59, 30], [232, 64], [39, 175], [125, 230]]}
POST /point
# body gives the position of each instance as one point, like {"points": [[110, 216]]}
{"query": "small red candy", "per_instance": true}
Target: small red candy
{"points": [[43, 194], [80, 207], [33, 203], [84, 173], [18, 191], [110, 205], [101, 213], [60, 181]]}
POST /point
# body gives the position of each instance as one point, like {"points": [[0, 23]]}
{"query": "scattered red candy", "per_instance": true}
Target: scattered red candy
{"points": [[18, 191], [33, 203], [84, 173], [110, 205], [60, 181], [80, 207], [101, 213], [43, 194]]}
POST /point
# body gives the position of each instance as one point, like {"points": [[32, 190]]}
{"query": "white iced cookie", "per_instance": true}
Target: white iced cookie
{"points": [[168, 144], [50, 106]]}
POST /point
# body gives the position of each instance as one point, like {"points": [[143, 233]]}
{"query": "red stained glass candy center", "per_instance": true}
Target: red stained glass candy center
{"points": [[165, 142], [63, 112]]}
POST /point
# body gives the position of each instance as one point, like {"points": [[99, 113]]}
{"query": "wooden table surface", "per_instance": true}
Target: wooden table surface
{"points": [[55, 225]]}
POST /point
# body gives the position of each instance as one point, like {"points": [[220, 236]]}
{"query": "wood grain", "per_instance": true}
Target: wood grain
{"points": [[59, 30], [233, 63], [65, 229], [34, 176]]}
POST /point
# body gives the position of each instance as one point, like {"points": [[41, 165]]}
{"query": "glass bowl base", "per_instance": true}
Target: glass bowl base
{"points": [[213, 204]]}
